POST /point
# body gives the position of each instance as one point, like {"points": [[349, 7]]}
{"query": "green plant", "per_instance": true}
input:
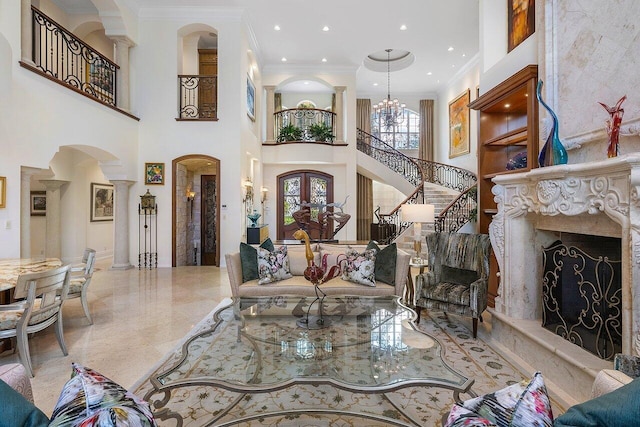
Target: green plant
{"points": [[290, 133], [321, 132]]}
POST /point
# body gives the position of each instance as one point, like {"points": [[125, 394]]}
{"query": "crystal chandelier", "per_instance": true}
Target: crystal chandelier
{"points": [[390, 112]]}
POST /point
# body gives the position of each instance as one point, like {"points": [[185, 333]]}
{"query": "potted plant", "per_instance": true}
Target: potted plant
{"points": [[290, 133], [321, 132]]}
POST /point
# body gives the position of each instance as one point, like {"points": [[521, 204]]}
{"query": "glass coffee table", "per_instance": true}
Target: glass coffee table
{"points": [[256, 346]]}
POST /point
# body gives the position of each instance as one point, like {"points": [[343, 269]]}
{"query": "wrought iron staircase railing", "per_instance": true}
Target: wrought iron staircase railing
{"points": [[417, 172]]}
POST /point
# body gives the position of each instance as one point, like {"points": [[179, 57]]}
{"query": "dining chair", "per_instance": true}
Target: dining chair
{"points": [[80, 280], [39, 298]]}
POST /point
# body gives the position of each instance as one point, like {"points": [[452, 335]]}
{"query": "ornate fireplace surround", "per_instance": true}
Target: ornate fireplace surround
{"points": [[594, 198]]}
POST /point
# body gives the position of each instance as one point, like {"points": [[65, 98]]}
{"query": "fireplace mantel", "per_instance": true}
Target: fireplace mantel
{"points": [[594, 198]]}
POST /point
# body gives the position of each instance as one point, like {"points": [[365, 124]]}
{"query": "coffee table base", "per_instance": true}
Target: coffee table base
{"points": [[314, 322]]}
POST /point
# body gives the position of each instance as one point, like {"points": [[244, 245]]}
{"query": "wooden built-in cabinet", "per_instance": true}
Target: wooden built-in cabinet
{"points": [[508, 125]]}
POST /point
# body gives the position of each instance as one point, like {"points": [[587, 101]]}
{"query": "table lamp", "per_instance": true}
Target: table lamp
{"points": [[417, 214]]}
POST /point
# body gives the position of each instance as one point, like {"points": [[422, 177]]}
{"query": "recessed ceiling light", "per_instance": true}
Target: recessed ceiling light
{"points": [[375, 84], [276, 27], [429, 73], [325, 28], [453, 65], [306, 82], [507, 105], [403, 27], [283, 59], [450, 49], [464, 55], [324, 59]]}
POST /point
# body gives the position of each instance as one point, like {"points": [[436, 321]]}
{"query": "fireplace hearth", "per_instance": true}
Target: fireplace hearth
{"points": [[581, 294]]}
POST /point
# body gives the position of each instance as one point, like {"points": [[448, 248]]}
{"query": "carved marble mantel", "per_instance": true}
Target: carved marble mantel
{"points": [[594, 198]]}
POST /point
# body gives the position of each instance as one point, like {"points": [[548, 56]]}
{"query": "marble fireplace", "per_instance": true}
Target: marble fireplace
{"points": [[591, 198]]}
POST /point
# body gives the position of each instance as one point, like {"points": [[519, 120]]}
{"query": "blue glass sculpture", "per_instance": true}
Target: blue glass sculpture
{"points": [[553, 152], [254, 218]]}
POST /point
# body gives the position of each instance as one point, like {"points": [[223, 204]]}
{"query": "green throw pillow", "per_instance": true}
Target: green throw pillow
{"points": [[18, 411], [249, 259], [620, 407], [458, 276], [385, 268]]}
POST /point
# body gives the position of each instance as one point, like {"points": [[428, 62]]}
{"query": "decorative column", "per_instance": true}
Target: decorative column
{"points": [[123, 44], [340, 113], [270, 137], [25, 210], [26, 37], [121, 225], [53, 241]]}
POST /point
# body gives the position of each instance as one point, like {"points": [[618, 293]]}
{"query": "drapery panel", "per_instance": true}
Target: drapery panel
{"points": [[425, 149]]}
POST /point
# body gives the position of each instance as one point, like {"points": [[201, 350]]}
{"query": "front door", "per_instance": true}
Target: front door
{"points": [[209, 220], [296, 188]]}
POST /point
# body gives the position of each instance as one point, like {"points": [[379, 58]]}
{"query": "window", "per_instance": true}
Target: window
{"points": [[405, 136]]}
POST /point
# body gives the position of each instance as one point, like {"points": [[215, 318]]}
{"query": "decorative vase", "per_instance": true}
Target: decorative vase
{"points": [[254, 218], [553, 151], [613, 126]]}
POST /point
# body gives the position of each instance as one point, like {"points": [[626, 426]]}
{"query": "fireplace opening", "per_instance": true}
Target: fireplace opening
{"points": [[581, 292]]}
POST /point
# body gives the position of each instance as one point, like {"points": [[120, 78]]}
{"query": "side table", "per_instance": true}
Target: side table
{"points": [[409, 290]]}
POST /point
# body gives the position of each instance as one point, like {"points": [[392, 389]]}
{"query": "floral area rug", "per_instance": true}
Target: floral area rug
{"points": [[324, 405]]}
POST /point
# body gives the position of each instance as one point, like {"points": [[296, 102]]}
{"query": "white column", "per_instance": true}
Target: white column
{"points": [[339, 113], [121, 225], [26, 31], [53, 238], [25, 210], [123, 44], [270, 110]]}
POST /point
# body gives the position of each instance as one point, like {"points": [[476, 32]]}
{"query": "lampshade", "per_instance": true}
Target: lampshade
{"points": [[417, 213]]}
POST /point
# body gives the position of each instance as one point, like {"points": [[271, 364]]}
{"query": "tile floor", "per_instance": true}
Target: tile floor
{"points": [[138, 317]]}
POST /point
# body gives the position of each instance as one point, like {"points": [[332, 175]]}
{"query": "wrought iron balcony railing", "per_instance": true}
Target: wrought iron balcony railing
{"points": [[62, 56], [305, 125], [197, 97]]}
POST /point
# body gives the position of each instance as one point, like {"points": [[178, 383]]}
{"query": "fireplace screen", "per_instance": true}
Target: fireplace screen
{"points": [[581, 298]]}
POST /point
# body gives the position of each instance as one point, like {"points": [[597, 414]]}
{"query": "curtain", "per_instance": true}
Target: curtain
{"points": [[277, 100], [425, 149], [364, 209], [363, 114]]}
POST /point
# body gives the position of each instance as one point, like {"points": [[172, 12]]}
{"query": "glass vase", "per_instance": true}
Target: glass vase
{"points": [[553, 151], [613, 126]]}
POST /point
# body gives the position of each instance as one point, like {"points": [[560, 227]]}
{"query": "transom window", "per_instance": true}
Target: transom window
{"points": [[405, 136]]}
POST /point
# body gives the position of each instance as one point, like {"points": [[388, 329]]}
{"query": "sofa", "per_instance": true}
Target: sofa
{"points": [[615, 401], [391, 271]]}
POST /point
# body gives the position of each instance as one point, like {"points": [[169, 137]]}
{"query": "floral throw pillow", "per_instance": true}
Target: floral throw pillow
{"points": [[525, 404], [273, 266], [90, 399], [359, 267]]}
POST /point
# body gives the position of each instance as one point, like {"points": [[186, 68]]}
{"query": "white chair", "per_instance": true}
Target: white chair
{"points": [[80, 280], [39, 305]]}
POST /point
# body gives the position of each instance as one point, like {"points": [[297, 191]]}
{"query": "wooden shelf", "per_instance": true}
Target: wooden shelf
{"points": [[514, 137]]}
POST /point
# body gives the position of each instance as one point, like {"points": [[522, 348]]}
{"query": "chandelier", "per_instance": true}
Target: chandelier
{"points": [[390, 112]]}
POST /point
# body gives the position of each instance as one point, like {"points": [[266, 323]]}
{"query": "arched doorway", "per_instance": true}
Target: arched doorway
{"points": [[196, 210]]}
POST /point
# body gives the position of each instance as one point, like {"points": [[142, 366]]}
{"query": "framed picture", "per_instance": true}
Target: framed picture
{"points": [[251, 99], [521, 21], [3, 191], [101, 78], [154, 173], [101, 202], [459, 125], [38, 203]]}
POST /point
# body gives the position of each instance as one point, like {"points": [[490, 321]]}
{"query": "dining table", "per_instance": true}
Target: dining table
{"points": [[11, 269]]}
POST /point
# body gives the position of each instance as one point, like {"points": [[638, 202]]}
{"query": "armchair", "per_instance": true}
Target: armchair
{"points": [[457, 280], [39, 305]]}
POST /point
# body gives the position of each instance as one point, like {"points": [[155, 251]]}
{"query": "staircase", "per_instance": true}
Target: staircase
{"points": [[452, 190]]}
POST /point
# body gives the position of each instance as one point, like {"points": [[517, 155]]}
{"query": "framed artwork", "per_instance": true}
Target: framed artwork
{"points": [[154, 173], [3, 191], [38, 203], [459, 125], [521, 21], [101, 202], [251, 99], [101, 78]]}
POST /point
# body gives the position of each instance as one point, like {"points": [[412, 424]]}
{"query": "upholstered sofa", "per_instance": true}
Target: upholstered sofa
{"points": [[396, 272]]}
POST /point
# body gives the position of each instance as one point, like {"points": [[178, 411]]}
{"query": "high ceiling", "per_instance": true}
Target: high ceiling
{"points": [[356, 29]]}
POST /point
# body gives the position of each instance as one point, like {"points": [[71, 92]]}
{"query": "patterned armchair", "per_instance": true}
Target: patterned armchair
{"points": [[457, 279]]}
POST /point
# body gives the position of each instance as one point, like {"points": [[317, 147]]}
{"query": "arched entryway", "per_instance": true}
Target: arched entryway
{"points": [[196, 210]]}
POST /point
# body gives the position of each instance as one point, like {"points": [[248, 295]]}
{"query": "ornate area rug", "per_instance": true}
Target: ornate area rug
{"points": [[323, 405]]}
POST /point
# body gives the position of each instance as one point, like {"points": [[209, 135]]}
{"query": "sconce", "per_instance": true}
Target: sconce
{"points": [[248, 190], [191, 195], [263, 197]]}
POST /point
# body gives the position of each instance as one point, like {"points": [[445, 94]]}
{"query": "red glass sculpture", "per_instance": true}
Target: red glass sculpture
{"points": [[613, 125]]}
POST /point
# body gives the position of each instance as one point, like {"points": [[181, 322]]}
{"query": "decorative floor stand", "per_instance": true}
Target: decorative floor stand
{"points": [[147, 232]]}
